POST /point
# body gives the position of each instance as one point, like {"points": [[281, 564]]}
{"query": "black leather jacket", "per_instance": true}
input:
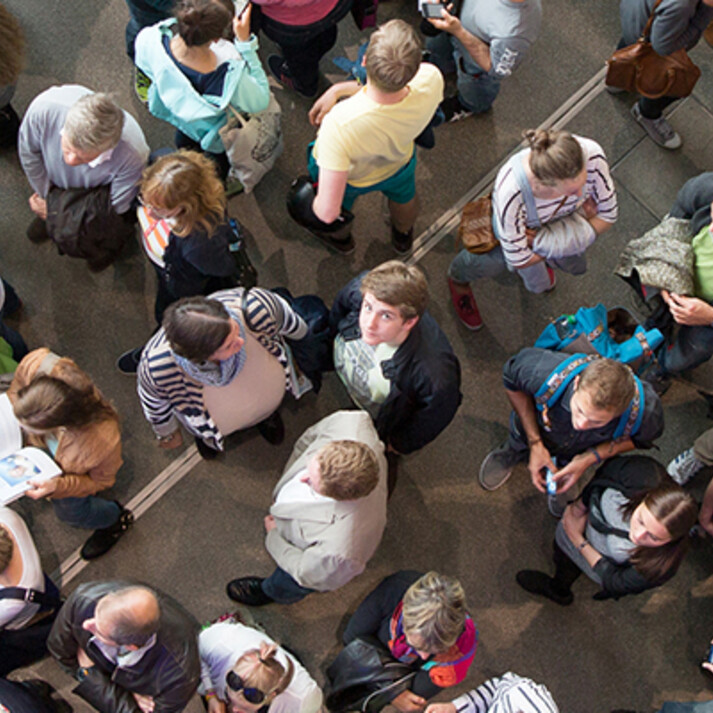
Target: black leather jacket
{"points": [[169, 671], [424, 374]]}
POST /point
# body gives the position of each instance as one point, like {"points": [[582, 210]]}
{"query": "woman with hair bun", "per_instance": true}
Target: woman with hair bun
{"points": [[61, 410], [245, 671], [196, 74], [550, 201], [628, 532]]}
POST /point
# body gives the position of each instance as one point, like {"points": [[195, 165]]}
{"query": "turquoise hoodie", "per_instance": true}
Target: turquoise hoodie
{"points": [[173, 98]]}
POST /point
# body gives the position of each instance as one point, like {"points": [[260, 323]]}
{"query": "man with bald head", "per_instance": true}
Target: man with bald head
{"points": [[132, 649]]}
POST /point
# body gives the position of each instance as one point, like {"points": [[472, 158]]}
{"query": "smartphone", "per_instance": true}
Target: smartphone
{"points": [[551, 483], [709, 658], [240, 6], [432, 9]]}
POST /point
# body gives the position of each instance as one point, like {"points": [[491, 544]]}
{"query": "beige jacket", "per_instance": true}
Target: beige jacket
{"points": [[325, 544], [89, 457]]}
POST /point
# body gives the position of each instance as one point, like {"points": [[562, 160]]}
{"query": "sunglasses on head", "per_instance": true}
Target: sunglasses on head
{"points": [[251, 695]]}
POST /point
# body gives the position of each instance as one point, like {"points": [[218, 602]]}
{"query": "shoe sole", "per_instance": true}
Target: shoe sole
{"points": [[480, 476], [328, 243]]}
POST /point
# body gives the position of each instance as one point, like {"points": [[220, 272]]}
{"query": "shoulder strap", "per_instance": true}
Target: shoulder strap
{"points": [[32, 596], [647, 28], [630, 420], [526, 190], [552, 388]]}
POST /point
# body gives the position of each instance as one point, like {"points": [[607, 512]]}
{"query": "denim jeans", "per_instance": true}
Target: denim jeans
{"points": [[692, 347], [282, 587], [467, 267], [89, 513], [143, 14], [477, 88]]}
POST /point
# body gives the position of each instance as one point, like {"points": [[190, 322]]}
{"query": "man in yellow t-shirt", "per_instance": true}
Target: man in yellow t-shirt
{"points": [[366, 142]]}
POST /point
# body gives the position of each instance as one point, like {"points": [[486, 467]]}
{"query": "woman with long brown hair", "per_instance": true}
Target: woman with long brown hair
{"points": [[61, 410], [628, 533]]}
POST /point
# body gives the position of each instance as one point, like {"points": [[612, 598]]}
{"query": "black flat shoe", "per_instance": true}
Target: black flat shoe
{"points": [[539, 583], [272, 429], [248, 590], [207, 453], [103, 540]]}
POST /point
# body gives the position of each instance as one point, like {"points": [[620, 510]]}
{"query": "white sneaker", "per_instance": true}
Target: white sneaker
{"points": [[659, 129], [684, 466]]}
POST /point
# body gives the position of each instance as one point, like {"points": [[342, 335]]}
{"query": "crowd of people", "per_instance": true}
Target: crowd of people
{"points": [[224, 354]]}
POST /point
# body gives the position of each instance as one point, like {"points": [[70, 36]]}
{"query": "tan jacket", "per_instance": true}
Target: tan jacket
{"points": [[325, 544], [89, 457]]}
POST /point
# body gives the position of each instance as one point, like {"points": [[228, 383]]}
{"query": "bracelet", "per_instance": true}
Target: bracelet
{"points": [[583, 545], [210, 694], [596, 455], [532, 441], [81, 673]]}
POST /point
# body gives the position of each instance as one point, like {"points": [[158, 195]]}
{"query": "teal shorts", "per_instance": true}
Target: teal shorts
{"points": [[399, 188]]}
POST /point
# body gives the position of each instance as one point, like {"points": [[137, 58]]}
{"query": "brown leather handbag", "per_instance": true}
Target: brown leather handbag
{"points": [[639, 69], [476, 226]]}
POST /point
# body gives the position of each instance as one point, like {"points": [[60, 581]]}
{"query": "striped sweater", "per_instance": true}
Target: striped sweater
{"points": [[508, 693], [168, 395]]}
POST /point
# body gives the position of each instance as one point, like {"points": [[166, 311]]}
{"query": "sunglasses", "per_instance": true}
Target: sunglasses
{"points": [[251, 695]]}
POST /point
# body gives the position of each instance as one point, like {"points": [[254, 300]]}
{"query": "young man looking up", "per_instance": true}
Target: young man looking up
{"points": [[393, 358], [578, 429], [366, 143]]}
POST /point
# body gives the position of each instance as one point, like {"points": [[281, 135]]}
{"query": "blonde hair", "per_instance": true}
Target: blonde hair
{"points": [[434, 609], [7, 547], [610, 385], [12, 47], [348, 470], [554, 155], [186, 180], [404, 287], [393, 56], [94, 123], [259, 668]]}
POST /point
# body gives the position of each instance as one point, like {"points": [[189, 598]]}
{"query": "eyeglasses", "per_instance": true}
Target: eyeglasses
{"points": [[235, 683], [159, 213]]}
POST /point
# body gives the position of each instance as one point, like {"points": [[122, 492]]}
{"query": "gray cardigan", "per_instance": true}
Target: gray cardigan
{"points": [[678, 24]]}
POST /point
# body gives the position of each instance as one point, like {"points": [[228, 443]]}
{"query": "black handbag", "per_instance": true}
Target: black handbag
{"points": [[365, 677], [245, 272]]}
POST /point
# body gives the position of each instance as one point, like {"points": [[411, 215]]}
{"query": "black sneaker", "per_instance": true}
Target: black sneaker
{"points": [[37, 231], [103, 540], [272, 429], [207, 453], [401, 242], [539, 583], [128, 362], [280, 70], [453, 110], [248, 590]]}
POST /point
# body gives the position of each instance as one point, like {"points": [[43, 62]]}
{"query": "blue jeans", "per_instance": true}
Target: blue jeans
{"points": [[692, 347], [89, 513], [467, 267], [282, 587], [143, 14], [477, 88]]}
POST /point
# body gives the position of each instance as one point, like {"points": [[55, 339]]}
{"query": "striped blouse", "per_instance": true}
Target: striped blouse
{"points": [[511, 213], [164, 388], [508, 693]]}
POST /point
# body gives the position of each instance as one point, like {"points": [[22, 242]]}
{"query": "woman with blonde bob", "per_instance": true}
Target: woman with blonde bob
{"points": [[61, 410], [243, 670], [423, 621], [628, 533], [186, 233]]}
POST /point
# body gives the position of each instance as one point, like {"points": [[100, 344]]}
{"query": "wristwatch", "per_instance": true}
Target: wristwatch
{"points": [[81, 673]]}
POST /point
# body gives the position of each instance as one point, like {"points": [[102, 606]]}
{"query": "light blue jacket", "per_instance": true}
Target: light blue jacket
{"points": [[173, 98]]}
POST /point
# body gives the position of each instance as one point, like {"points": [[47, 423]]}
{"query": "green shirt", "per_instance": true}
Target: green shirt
{"points": [[703, 265]]}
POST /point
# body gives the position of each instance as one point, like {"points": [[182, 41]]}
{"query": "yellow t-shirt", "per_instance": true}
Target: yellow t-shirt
{"points": [[373, 141], [703, 268]]}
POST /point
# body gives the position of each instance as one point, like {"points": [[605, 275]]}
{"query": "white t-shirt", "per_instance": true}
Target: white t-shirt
{"points": [[222, 644], [15, 613]]}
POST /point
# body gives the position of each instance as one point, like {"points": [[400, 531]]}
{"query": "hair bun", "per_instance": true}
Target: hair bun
{"points": [[539, 139]]}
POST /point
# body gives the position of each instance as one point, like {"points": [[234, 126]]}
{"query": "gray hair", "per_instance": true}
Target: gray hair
{"points": [[94, 123]]}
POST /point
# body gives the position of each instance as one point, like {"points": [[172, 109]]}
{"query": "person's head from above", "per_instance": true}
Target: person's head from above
{"points": [[256, 678], [434, 612], [47, 404], [184, 189], [127, 617], [92, 126], [393, 56], [200, 329], [203, 21], [394, 298], [557, 163], [602, 392], [660, 520], [343, 470], [7, 547]]}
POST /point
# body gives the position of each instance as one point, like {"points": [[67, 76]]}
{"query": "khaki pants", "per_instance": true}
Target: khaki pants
{"points": [[703, 447]]}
